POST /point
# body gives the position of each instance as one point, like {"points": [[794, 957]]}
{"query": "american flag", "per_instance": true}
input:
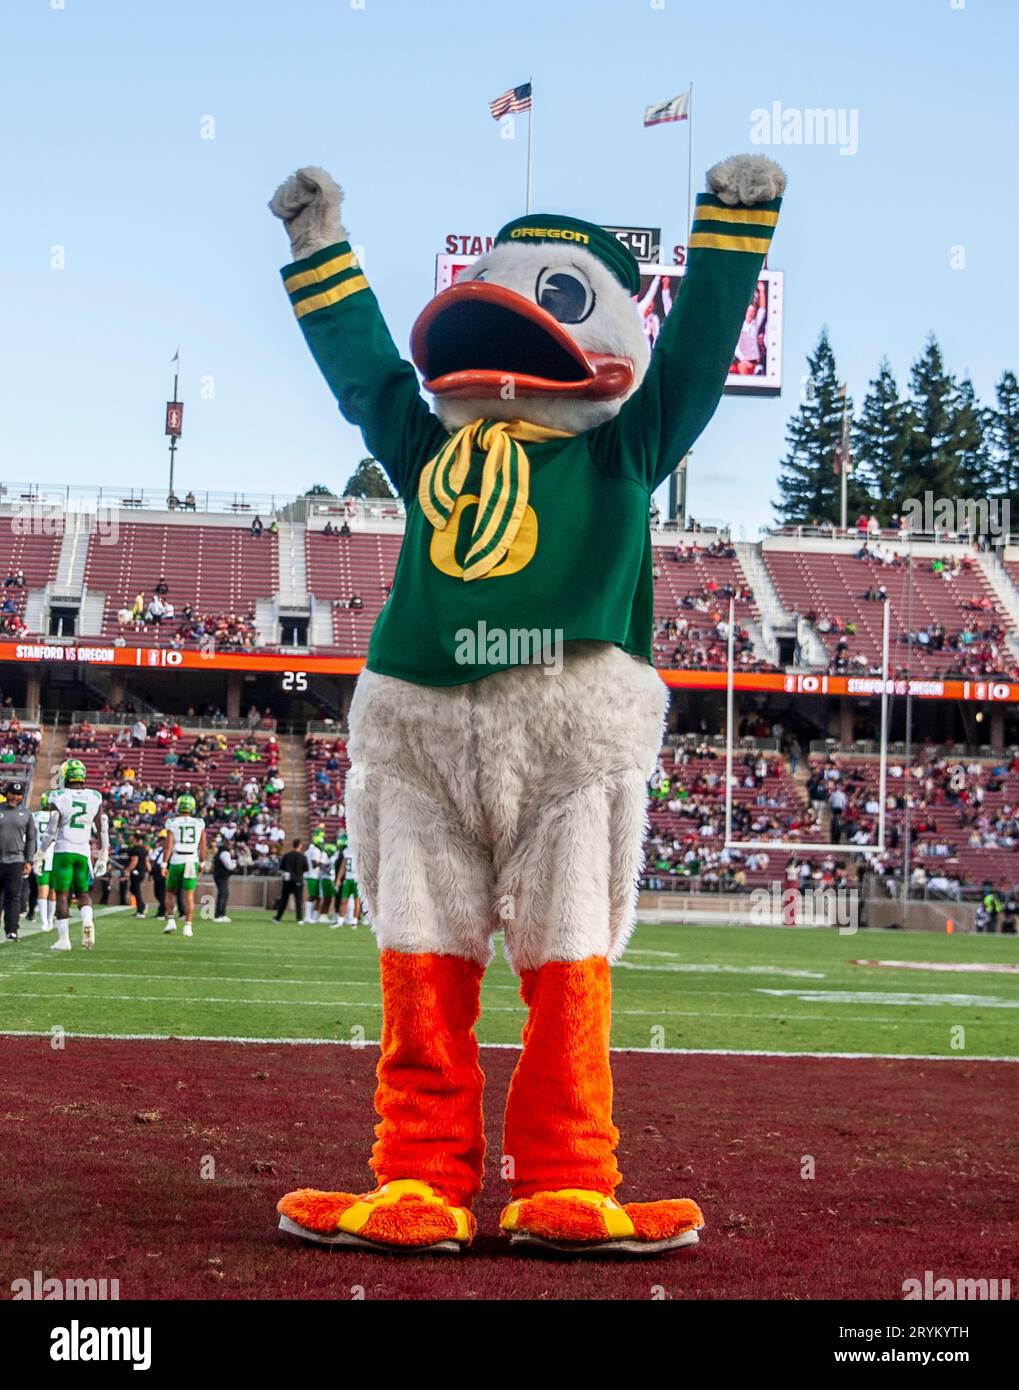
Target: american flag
{"points": [[516, 99]]}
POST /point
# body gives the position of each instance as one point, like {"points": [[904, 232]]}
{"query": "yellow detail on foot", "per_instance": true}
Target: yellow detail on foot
{"points": [[401, 1213], [355, 1217], [617, 1224]]}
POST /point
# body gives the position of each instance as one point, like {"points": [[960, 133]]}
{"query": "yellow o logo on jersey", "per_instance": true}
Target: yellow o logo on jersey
{"points": [[442, 551]]}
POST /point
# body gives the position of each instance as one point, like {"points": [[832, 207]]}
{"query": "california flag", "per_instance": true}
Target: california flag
{"points": [[674, 110]]}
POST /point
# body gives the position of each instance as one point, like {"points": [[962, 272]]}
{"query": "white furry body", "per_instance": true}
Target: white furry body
{"points": [[516, 802]]}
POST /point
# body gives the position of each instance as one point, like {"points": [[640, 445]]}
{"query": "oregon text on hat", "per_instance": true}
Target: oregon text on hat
{"points": [[552, 233], [596, 241]]}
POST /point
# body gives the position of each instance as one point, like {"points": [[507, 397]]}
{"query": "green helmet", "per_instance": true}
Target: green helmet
{"points": [[73, 773], [329, 849], [186, 804], [318, 837], [44, 802]]}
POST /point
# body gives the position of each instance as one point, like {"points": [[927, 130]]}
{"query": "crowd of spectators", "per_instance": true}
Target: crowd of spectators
{"points": [[218, 631], [688, 843], [12, 624], [242, 809], [326, 759], [697, 637], [720, 549], [18, 743], [945, 796]]}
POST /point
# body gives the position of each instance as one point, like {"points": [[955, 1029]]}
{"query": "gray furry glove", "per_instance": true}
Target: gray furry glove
{"points": [[308, 202], [745, 179]]}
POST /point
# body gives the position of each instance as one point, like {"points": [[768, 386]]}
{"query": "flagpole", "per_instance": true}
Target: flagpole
{"points": [[530, 132], [689, 169], [173, 437]]}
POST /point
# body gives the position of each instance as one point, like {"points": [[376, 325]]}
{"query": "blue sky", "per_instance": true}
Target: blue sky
{"points": [[166, 238]]}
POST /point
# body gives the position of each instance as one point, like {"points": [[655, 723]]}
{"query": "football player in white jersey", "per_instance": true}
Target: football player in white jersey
{"points": [[185, 851], [315, 855], [346, 884], [75, 810], [44, 866]]}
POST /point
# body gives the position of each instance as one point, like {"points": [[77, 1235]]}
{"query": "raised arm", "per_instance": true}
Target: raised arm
{"points": [[340, 317], [733, 226]]}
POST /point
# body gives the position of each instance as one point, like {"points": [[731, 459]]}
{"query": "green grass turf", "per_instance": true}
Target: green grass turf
{"points": [[677, 987]]}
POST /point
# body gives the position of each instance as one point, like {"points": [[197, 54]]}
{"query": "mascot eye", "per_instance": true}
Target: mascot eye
{"points": [[565, 294]]}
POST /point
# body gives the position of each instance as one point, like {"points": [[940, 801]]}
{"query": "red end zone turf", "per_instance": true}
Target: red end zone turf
{"points": [[105, 1141]]}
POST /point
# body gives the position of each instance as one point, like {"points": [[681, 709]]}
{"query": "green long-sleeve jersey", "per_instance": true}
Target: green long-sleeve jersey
{"points": [[580, 565]]}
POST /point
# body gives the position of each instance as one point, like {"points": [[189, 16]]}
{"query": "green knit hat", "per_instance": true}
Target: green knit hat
{"points": [[571, 231]]}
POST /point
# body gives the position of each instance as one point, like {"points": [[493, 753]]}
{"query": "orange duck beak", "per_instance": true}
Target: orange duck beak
{"points": [[475, 338]]}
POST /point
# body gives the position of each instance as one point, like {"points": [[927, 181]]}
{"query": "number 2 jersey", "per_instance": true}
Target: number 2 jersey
{"points": [[78, 809], [187, 832]]}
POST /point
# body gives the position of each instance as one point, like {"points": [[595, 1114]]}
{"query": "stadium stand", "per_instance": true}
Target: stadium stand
{"points": [[326, 766], [218, 570], [27, 561], [957, 624], [686, 814], [964, 814], [233, 777], [342, 568], [693, 585]]}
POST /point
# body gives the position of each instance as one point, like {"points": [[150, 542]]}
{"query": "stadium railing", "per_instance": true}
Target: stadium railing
{"points": [[186, 721]]}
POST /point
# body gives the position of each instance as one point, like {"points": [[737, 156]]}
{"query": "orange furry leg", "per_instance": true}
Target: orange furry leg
{"points": [[559, 1131], [430, 1149], [429, 1080]]}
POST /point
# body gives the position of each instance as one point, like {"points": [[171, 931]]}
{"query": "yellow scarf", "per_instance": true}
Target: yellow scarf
{"points": [[505, 485]]}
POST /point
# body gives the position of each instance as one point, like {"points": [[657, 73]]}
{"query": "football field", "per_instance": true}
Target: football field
{"points": [[161, 1162], [754, 989]]}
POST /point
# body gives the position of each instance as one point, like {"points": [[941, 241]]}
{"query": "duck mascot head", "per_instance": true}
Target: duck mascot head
{"points": [[503, 731]]}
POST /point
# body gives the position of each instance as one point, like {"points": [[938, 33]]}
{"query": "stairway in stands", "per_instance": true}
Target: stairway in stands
{"points": [[52, 752], [294, 811]]}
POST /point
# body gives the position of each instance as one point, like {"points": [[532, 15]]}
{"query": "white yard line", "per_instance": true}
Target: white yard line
{"points": [[512, 1047], [318, 982], [376, 1004]]}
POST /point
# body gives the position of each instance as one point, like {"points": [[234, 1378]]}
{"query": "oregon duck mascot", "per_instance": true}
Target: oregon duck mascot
{"points": [[504, 729]]}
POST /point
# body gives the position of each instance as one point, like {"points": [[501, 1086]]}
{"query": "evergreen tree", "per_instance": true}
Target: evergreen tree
{"points": [[368, 480], [879, 443], [1003, 444], [968, 442], [809, 486], [930, 462]]}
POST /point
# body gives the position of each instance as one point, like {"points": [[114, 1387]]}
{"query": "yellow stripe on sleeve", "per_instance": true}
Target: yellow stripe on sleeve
{"points": [[318, 273], [761, 217], [712, 241], [333, 296]]}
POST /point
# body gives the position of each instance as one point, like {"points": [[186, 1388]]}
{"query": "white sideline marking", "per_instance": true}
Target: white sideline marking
{"points": [[904, 999], [959, 967], [318, 982], [706, 969], [508, 1047], [518, 1009]]}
